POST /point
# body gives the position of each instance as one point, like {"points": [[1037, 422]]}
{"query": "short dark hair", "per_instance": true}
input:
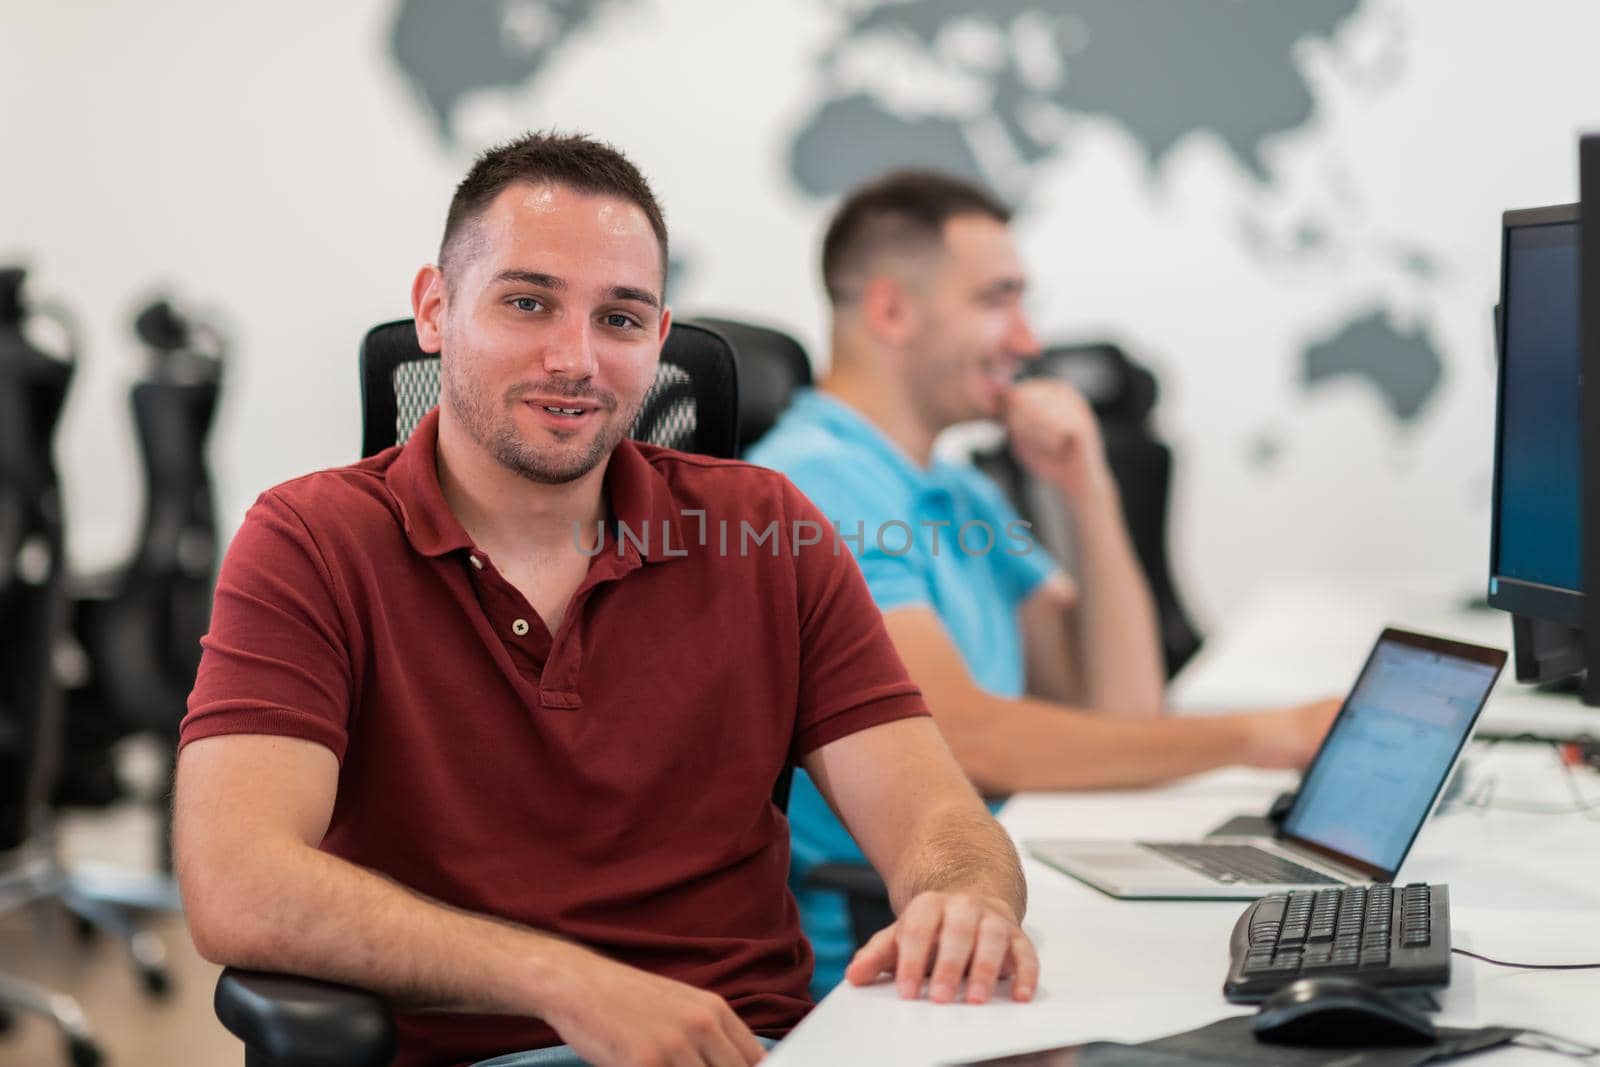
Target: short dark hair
{"points": [[904, 210], [572, 160]]}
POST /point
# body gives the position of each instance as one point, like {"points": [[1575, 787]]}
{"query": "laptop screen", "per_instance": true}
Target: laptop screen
{"points": [[1386, 757]]}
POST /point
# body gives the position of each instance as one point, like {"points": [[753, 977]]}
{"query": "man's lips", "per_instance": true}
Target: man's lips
{"points": [[561, 404]]}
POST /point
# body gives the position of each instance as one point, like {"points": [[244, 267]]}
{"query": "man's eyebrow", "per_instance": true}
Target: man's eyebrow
{"points": [[641, 296], [550, 281], [531, 277]]}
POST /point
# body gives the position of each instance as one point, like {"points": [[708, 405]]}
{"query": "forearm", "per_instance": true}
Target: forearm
{"points": [[959, 848], [1009, 746], [1117, 637], [297, 910]]}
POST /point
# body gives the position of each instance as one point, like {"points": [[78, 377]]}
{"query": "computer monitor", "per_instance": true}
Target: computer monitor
{"points": [[1589, 371], [1536, 541], [1547, 436]]}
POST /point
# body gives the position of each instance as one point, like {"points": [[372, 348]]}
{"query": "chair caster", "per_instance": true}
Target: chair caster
{"points": [[84, 1053], [157, 982]]}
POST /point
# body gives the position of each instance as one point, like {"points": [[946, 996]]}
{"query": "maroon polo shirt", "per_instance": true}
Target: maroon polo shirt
{"points": [[610, 782]]}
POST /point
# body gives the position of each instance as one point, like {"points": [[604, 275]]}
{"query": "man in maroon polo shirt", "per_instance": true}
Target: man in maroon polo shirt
{"points": [[455, 742]]}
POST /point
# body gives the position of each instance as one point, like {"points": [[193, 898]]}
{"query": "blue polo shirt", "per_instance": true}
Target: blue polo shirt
{"points": [[941, 537]]}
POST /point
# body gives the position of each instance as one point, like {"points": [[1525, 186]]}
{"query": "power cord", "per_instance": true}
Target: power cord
{"points": [[1529, 966], [1482, 797], [1561, 1046]]}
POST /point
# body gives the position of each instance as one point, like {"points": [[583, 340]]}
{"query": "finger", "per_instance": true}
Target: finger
{"points": [[873, 958], [685, 1055], [956, 936], [720, 1051], [918, 928], [1025, 964], [747, 1049], [988, 956]]}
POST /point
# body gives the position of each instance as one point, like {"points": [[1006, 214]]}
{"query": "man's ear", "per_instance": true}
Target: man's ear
{"points": [[428, 296], [888, 310]]}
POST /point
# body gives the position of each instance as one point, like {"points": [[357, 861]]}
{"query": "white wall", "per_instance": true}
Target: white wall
{"points": [[271, 162]]}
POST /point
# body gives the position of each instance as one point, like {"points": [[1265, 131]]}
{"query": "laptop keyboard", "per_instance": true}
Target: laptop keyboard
{"points": [[1233, 864]]}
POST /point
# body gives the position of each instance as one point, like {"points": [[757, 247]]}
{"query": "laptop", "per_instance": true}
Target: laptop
{"points": [[1369, 789]]}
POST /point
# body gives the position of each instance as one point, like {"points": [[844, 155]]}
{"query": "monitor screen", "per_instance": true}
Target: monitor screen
{"points": [[1387, 755], [1537, 528]]}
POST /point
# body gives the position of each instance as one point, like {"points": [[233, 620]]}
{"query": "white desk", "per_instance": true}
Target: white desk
{"points": [[1304, 639], [1523, 887]]}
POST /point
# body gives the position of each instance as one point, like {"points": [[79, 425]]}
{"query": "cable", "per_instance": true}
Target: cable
{"points": [[1549, 1042], [1584, 804], [1481, 795], [1529, 966]]}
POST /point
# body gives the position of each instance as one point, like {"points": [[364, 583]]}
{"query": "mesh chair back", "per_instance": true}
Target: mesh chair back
{"points": [[691, 407]]}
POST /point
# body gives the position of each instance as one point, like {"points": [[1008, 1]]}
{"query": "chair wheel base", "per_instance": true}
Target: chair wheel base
{"points": [[84, 1053], [157, 982]]}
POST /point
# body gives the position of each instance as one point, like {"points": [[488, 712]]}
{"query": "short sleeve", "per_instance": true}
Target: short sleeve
{"points": [[851, 677], [276, 659]]}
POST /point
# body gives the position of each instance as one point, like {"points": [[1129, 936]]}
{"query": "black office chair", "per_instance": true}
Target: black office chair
{"points": [[1123, 394], [139, 626], [772, 365], [287, 1021], [33, 389]]}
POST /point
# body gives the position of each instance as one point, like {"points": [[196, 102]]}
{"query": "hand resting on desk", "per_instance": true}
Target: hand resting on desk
{"points": [[945, 936]]}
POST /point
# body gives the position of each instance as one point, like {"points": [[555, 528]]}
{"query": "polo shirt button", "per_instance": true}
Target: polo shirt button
{"points": [[476, 562], [520, 627]]}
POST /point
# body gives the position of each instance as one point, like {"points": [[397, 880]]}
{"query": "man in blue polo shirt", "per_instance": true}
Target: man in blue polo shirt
{"points": [[1038, 680]]}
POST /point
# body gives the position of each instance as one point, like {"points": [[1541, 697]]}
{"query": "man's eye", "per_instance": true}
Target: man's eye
{"points": [[620, 321], [526, 303]]}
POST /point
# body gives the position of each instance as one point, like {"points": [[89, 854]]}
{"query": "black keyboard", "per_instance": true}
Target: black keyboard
{"points": [[1383, 934], [1234, 864]]}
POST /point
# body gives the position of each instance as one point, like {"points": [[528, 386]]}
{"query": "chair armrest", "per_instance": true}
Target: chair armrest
{"points": [[854, 879], [300, 1022]]}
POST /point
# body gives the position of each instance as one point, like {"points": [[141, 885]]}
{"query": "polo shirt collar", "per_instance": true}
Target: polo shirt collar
{"points": [[413, 480], [856, 430], [638, 495], [641, 499]]}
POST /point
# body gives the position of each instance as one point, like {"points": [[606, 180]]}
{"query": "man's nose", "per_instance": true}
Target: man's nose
{"points": [[1022, 340], [570, 353]]}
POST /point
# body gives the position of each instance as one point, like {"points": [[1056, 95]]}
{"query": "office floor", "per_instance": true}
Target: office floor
{"points": [[133, 1030]]}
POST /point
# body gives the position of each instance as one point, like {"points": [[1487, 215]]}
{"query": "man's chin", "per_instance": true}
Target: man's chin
{"points": [[551, 466]]}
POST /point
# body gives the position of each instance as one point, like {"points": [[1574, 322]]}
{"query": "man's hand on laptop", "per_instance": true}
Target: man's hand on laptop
{"points": [[1287, 738], [613, 1014], [947, 936]]}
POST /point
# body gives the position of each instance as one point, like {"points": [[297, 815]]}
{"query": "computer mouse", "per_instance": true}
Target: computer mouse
{"points": [[1335, 1011]]}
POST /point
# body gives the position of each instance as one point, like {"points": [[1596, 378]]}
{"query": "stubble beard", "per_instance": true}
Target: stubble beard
{"points": [[497, 434]]}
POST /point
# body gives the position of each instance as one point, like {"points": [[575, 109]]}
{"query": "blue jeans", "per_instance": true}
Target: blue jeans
{"points": [[557, 1056]]}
